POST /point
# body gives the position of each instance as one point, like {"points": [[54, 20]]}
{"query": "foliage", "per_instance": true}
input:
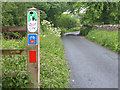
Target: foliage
{"points": [[96, 12], [14, 44], [75, 29], [46, 26], [15, 63], [13, 35], [15, 13], [84, 31], [64, 30], [66, 21], [56, 9], [54, 71], [53, 66], [105, 38]]}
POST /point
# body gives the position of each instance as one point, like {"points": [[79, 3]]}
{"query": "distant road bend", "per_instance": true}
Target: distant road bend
{"points": [[92, 66]]}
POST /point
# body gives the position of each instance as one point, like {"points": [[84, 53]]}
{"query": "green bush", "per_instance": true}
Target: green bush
{"points": [[63, 30], [15, 63], [74, 29], [105, 38], [66, 21], [84, 31]]}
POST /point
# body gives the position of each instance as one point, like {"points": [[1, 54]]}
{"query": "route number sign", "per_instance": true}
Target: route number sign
{"points": [[32, 23], [32, 39]]}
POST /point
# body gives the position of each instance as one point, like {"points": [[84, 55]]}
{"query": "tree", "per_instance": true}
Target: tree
{"points": [[14, 13], [97, 12], [56, 9]]}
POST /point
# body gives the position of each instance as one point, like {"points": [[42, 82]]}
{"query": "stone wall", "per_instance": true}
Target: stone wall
{"points": [[107, 27]]}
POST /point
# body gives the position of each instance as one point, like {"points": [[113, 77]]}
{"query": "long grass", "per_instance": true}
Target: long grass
{"points": [[109, 39]]}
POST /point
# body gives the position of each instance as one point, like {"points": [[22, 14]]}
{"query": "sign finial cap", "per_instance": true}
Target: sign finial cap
{"points": [[32, 8]]}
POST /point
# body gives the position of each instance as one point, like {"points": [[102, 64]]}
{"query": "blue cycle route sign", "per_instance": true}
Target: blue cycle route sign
{"points": [[32, 39]]}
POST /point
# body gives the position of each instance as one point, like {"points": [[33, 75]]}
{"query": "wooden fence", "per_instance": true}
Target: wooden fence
{"points": [[14, 29], [15, 51]]}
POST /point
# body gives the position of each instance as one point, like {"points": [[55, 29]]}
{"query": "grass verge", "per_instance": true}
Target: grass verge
{"points": [[53, 67], [109, 39]]}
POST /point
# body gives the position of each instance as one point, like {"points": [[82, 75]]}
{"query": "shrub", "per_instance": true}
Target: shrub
{"points": [[46, 27], [66, 21], [74, 29], [84, 31], [63, 30], [15, 63]]}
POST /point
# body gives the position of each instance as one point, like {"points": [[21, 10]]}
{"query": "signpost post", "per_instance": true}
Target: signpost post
{"points": [[33, 45]]}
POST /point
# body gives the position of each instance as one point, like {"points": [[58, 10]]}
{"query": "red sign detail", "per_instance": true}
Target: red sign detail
{"points": [[32, 56], [32, 41]]}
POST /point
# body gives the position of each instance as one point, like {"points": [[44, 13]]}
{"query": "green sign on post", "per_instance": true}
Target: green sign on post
{"points": [[32, 21]]}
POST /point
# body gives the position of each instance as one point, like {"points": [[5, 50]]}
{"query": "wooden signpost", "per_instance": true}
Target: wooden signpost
{"points": [[33, 45]]}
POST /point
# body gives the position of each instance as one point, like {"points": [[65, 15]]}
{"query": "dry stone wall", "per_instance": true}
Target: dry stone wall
{"points": [[107, 27]]}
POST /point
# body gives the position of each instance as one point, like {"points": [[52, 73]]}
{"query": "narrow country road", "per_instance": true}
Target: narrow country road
{"points": [[92, 66]]}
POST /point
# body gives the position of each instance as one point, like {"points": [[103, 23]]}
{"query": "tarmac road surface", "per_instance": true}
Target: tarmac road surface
{"points": [[92, 65]]}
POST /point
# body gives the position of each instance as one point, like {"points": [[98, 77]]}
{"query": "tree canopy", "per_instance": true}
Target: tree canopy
{"points": [[14, 13], [97, 12]]}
